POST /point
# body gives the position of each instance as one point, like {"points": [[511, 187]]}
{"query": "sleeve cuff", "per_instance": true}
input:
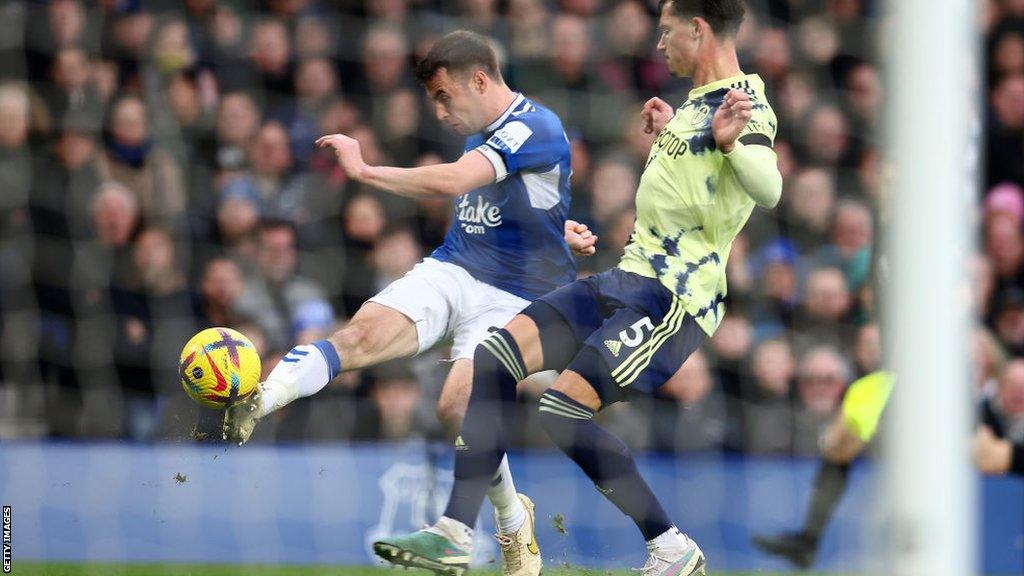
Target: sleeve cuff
{"points": [[500, 172]]}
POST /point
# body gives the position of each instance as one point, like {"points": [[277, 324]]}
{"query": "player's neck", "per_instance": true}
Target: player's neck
{"points": [[720, 63], [503, 98]]}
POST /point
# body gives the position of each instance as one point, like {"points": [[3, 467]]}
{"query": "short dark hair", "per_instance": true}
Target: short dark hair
{"points": [[724, 16], [459, 51]]}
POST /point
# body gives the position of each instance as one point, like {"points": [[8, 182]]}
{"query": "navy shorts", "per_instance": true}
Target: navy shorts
{"points": [[620, 331]]}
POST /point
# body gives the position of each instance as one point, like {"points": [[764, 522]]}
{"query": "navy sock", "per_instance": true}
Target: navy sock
{"points": [[480, 446], [605, 459]]}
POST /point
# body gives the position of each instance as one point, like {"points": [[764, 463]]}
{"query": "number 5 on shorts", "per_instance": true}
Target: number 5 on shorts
{"points": [[638, 329]]}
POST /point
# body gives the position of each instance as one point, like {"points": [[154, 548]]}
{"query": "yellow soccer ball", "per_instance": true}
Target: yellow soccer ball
{"points": [[219, 366]]}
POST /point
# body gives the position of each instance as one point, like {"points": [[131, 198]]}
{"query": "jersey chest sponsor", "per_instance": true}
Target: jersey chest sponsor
{"points": [[476, 218]]}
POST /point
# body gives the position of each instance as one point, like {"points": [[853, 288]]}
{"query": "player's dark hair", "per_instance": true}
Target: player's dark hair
{"points": [[459, 52], [724, 16]]}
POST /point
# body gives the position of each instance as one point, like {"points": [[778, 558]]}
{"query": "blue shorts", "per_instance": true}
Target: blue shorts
{"points": [[620, 331]]}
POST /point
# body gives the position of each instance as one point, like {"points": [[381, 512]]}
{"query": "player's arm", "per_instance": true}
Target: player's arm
{"points": [[655, 115], [750, 156], [451, 179]]}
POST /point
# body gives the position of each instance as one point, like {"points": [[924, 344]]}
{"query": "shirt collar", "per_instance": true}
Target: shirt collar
{"points": [[754, 80], [515, 104]]}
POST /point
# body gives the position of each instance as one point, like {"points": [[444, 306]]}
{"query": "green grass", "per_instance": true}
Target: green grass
{"points": [[60, 569]]}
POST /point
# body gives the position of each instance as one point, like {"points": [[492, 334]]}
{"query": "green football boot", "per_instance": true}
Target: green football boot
{"points": [[424, 549]]}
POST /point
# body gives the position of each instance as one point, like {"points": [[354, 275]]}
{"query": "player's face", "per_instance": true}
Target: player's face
{"points": [[678, 41], [455, 102]]}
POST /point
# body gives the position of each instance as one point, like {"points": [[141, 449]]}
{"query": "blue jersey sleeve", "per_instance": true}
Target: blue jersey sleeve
{"points": [[526, 142]]}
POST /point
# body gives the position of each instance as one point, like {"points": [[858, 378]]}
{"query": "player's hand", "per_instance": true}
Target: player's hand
{"points": [[730, 119], [350, 156], [992, 455], [655, 115], [579, 237]]}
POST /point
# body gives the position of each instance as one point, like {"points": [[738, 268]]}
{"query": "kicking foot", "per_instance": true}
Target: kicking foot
{"points": [[240, 418]]}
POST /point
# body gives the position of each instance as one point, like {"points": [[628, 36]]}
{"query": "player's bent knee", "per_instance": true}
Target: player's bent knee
{"points": [[450, 412]]}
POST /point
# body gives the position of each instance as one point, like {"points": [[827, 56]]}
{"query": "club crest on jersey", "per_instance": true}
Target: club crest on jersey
{"points": [[699, 116], [476, 219]]}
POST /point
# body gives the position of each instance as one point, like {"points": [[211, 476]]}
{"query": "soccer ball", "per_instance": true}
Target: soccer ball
{"points": [[218, 366]]}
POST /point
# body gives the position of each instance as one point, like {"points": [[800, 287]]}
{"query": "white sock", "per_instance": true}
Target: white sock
{"points": [[671, 539], [459, 534], [511, 514], [303, 371]]}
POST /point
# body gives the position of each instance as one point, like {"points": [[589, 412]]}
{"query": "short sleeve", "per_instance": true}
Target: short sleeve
{"points": [[523, 144]]}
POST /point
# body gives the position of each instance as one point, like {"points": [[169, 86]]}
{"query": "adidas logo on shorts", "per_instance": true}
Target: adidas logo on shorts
{"points": [[614, 346]]}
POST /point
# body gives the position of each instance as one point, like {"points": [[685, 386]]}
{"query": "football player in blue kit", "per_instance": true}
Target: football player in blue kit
{"points": [[509, 243]]}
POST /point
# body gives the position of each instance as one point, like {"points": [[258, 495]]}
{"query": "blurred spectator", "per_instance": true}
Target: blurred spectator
{"points": [[1003, 412], [275, 294], [767, 409], [363, 224], [394, 254], [131, 158], [852, 239], [821, 378], [221, 285], [1005, 133], [824, 316], [689, 410]]}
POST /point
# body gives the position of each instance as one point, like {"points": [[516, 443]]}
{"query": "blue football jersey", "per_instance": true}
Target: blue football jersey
{"points": [[509, 233]]}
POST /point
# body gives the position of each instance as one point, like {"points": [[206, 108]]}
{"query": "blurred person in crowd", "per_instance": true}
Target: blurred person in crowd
{"points": [[269, 64], [385, 67], [483, 17], [731, 346], [852, 240], [824, 316], [398, 127], [867, 352], [274, 294], [1008, 319], [767, 406], [1007, 53], [999, 440], [618, 230], [396, 397], [568, 82], [51, 28], [221, 285], [313, 38], [315, 85], [172, 51], [810, 208], [510, 194], [130, 157], [773, 56], [628, 63], [65, 180], [69, 89], [989, 360], [863, 98], [238, 121], [396, 252], [154, 312], [237, 221], [826, 137], [1004, 145], [528, 25], [613, 189], [778, 299], [689, 411], [363, 223], [821, 378], [126, 37]]}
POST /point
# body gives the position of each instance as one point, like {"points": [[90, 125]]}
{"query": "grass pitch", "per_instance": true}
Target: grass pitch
{"points": [[61, 569]]}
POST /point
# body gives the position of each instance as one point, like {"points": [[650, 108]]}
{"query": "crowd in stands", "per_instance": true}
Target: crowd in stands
{"points": [[158, 176]]}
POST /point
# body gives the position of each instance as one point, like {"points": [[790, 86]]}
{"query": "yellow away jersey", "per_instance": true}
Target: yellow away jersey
{"points": [[690, 205]]}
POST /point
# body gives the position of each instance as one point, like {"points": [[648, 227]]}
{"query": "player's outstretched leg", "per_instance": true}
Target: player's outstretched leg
{"points": [[609, 463], [375, 334], [497, 368], [303, 371]]}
